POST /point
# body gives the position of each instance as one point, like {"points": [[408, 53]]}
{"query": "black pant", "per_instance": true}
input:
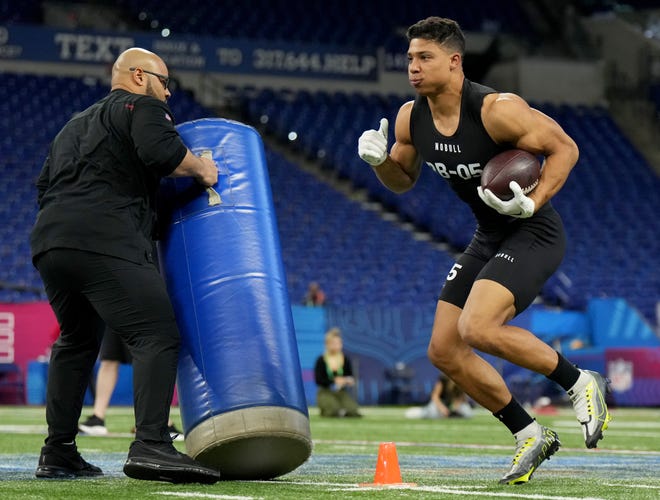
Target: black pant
{"points": [[88, 291]]}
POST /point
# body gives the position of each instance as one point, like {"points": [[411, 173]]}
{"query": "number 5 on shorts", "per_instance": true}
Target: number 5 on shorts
{"points": [[454, 271]]}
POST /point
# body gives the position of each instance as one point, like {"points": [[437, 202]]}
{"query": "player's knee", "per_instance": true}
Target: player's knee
{"points": [[476, 331], [434, 355], [440, 357]]}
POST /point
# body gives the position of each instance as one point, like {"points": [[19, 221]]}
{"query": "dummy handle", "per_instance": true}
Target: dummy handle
{"points": [[214, 197]]}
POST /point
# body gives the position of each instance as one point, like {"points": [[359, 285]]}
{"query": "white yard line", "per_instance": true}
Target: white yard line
{"points": [[182, 494], [452, 490], [478, 446], [629, 485], [42, 429], [23, 429]]}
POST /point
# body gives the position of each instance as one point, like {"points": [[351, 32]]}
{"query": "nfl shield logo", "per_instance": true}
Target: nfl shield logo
{"points": [[620, 372]]}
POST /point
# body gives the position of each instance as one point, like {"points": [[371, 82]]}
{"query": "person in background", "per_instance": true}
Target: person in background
{"points": [[333, 373], [447, 400], [315, 296], [113, 353]]}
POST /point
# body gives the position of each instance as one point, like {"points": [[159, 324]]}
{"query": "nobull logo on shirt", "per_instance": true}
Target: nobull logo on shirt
{"points": [[451, 148]]}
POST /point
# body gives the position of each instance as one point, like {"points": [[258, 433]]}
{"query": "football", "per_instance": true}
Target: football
{"points": [[511, 165]]}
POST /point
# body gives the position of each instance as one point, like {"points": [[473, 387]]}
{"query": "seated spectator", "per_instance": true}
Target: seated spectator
{"points": [[447, 400], [333, 373]]}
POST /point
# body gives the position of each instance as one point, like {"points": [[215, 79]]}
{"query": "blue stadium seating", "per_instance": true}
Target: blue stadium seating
{"points": [[32, 110], [367, 23], [357, 256], [25, 11], [609, 203]]}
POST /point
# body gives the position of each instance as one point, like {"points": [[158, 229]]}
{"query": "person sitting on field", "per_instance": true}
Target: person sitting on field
{"points": [[447, 400], [333, 373]]}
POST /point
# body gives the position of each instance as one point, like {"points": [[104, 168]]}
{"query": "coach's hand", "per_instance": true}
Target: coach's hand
{"points": [[207, 174], [520, 206], [372, 145]]}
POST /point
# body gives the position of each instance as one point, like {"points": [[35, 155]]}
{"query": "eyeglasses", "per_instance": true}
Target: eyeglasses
{"points": [[164, 80]]}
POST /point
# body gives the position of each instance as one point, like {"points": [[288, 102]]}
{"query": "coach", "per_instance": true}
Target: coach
{"points": [[92, 246]]}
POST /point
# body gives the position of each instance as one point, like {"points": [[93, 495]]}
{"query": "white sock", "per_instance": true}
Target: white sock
{"points": [[527, 432], [581, 382]]}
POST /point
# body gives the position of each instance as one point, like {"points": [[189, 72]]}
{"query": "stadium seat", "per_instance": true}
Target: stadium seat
{"points": [[341, 23]]}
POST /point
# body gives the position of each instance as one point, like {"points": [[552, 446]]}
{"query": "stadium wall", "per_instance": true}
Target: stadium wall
{"points": [[208, 66], [632, 58], [556, 81], [388, 347]]}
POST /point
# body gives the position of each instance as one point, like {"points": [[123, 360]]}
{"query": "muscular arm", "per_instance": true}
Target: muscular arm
{"points": [[159, 146], [202, 169], [508, 118], [400, 171]]}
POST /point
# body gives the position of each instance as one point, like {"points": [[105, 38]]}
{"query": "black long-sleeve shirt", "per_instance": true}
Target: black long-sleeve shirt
{"points": [[324, 377], [97, 188]]}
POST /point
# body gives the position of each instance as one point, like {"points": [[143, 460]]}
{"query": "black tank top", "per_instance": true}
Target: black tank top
{"points": [[461, 157]]}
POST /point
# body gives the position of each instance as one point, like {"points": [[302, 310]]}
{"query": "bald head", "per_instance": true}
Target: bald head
{"points": [[139, 80]]}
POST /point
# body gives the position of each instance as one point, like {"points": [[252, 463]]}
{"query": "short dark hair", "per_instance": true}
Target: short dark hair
{"points": [[441, 30]]}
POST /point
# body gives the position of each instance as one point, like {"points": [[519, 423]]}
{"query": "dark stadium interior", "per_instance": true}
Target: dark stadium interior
{"points": [[338, 225], [609, 216]]}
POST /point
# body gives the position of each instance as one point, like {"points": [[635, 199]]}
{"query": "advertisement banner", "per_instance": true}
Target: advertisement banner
{"points": [[635, 375], [27, 331], [35, 43]]}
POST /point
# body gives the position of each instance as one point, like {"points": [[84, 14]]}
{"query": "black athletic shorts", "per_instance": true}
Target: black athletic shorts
{"points": [[521, 256], [113, 348]]}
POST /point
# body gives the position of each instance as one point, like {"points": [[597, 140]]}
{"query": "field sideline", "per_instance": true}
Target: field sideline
{"points": [[445, 459]]}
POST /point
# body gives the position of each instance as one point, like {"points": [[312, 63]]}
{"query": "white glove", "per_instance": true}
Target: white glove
{"points": [[372, 145], [520, 206]]}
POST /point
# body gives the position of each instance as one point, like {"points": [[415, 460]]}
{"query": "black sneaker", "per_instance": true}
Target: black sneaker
{"points": [[160, 461], [93, 426], [64, 462], [175, 433]]}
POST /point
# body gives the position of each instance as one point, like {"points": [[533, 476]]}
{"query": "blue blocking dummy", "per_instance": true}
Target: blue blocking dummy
{"points": [[240, 387]]}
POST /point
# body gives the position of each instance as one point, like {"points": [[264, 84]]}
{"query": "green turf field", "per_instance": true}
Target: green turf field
{"points": [[446, 459]]}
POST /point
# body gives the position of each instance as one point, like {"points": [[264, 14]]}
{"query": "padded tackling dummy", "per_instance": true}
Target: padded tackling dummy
{"points": [[240, 386]]}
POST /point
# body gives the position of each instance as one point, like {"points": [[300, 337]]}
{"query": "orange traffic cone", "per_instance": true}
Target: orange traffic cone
{"points": [[387, 468]]}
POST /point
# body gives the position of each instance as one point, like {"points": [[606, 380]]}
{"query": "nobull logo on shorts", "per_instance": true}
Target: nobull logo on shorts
{"points": [[91, 48], [504, 256]]}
